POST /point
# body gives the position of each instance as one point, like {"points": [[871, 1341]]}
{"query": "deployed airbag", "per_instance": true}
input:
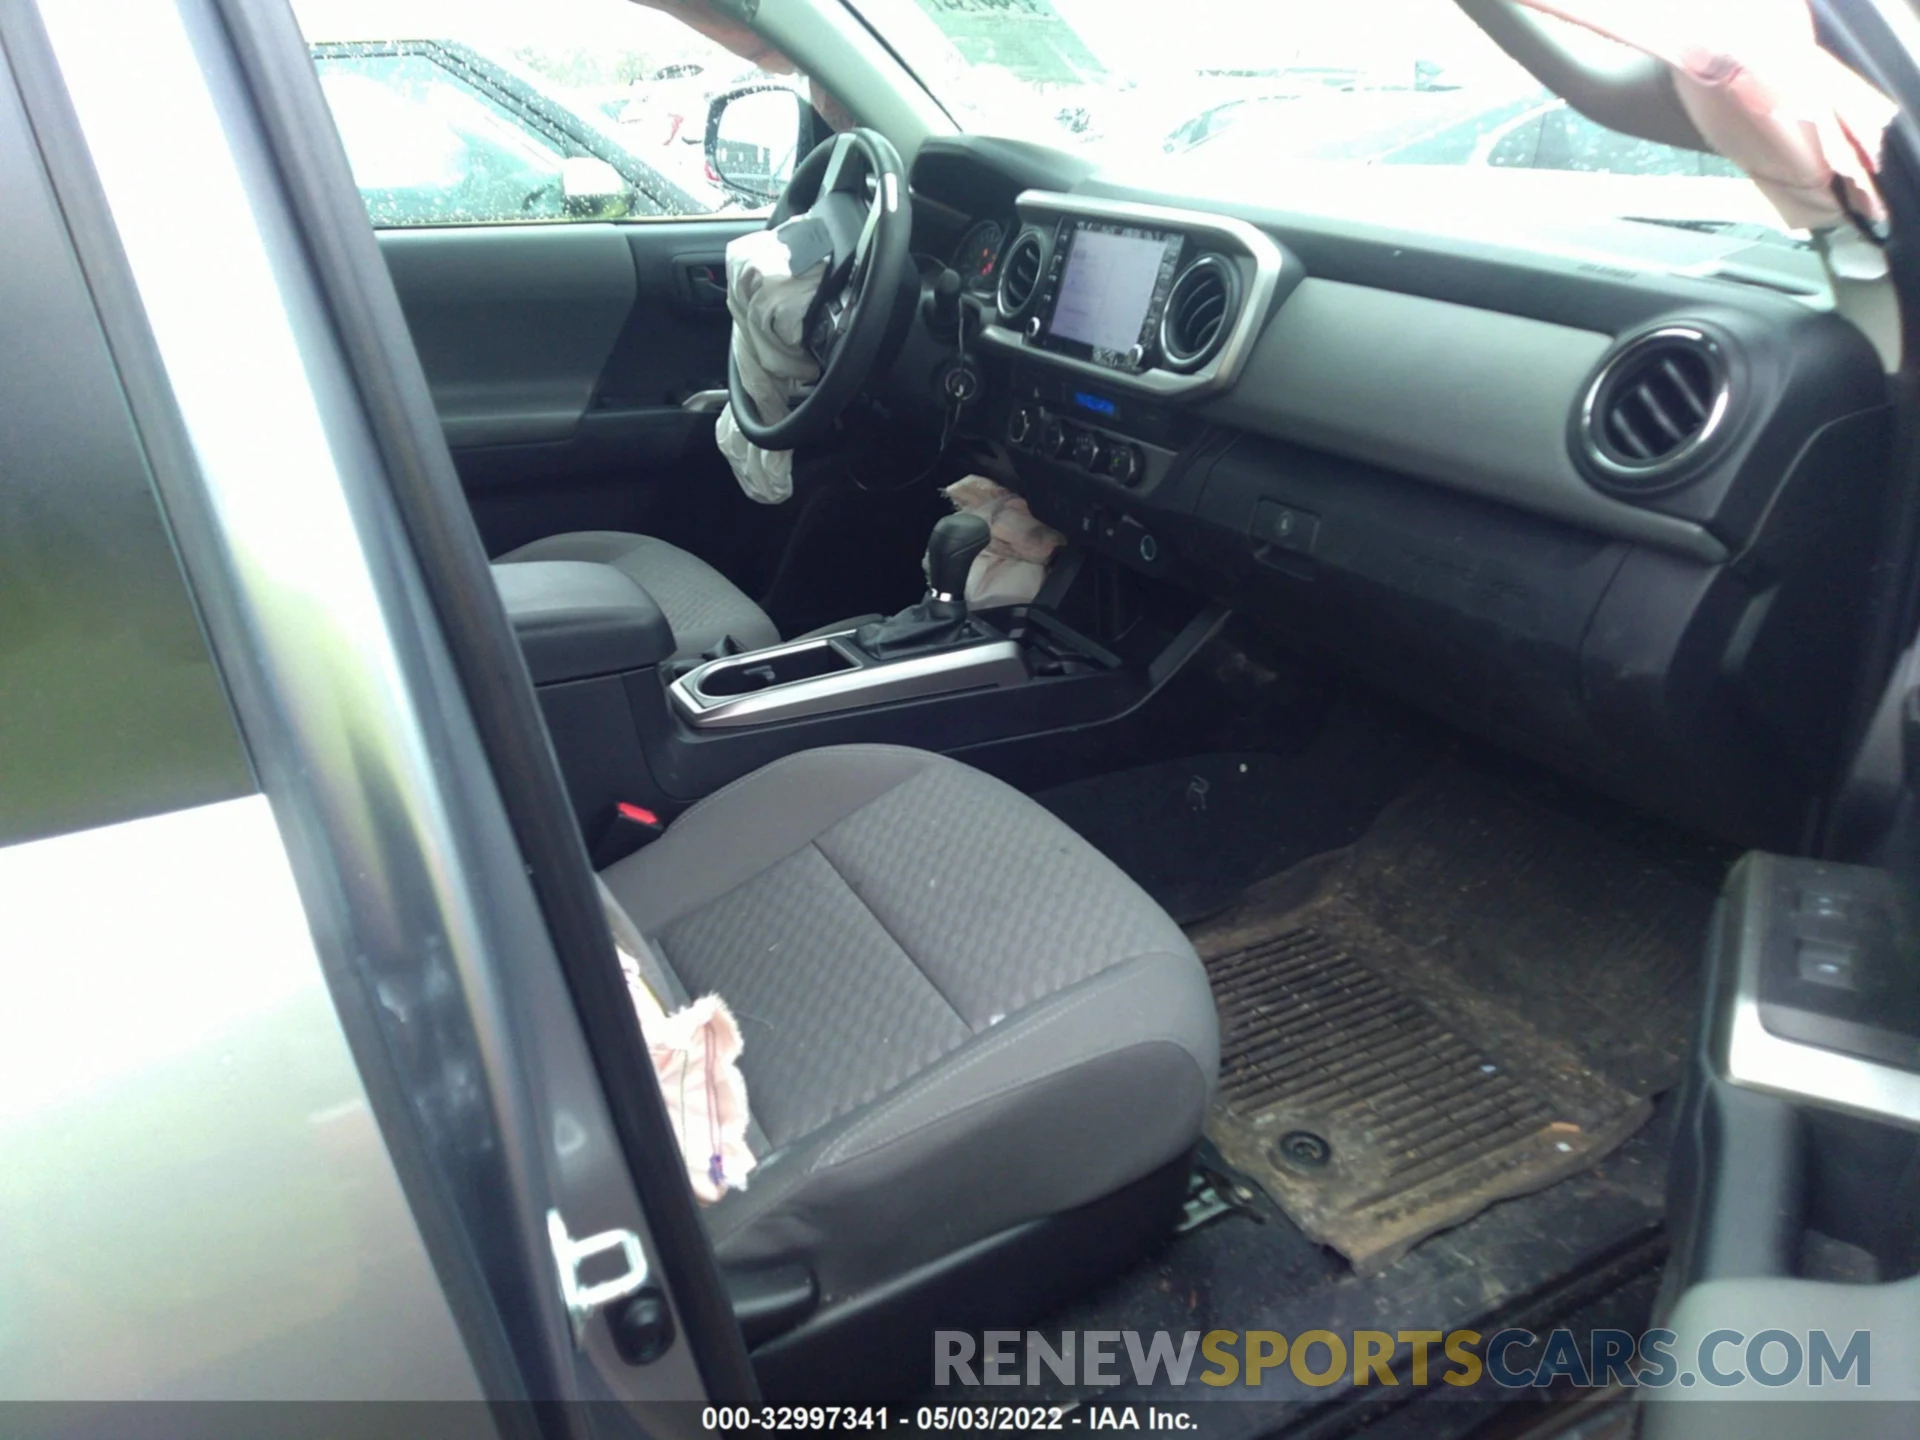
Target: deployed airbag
{"points": [[1761, 90], [769, 304], [1012, 568]]}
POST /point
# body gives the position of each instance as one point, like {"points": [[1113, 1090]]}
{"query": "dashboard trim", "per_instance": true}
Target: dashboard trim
{"points": [[989, 664], [1496, 429], [1269, 266]]}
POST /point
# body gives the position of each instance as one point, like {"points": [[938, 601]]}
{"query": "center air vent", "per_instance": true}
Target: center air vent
{"points": [[1653, 406], [1200, 312], [1020, 276]]}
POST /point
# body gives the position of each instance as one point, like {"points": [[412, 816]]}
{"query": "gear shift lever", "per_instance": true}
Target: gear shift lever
{"points": [[951, 548], [940, 619]]}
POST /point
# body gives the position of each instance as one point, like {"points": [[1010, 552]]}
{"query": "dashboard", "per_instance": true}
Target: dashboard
{"points": [[1615, 515], [1159, 299]]}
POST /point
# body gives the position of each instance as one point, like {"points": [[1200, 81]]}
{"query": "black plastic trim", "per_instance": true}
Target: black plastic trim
{"points": [[770, 1300], [576, 619], [879, 1345]]}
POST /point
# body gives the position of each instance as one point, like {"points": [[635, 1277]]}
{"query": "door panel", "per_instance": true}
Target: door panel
{"points": [[676, 344], [559, 357], [514, 323], [1794, 1195], [522, 328]]}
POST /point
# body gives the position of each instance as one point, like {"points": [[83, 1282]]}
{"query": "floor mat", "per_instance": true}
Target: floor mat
{"points": [[1474, 1001]]}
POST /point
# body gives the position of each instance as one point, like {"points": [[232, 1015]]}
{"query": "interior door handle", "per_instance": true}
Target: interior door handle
{"points": [[706, 286]]}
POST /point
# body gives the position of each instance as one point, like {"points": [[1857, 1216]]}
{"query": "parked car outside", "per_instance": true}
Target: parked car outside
{"points": [[1488, 150], [439, 133]]}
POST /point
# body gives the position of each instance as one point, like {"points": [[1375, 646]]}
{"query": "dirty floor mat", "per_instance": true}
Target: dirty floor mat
{"points": [[1477, 999]]}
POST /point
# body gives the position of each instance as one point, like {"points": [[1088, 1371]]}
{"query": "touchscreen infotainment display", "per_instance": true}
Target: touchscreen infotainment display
{"points": [[1115, 281]]}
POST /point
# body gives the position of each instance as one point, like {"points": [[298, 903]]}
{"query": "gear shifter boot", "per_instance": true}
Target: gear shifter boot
{"points": [[940, 620], [914, 630]]}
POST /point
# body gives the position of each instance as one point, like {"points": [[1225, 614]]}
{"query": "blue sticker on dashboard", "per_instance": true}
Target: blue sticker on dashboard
{"points": [[1099, 404]]}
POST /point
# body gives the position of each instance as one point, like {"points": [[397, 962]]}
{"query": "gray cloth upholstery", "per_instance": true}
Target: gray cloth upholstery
{"points": [[701, 605], [958, 1016]]}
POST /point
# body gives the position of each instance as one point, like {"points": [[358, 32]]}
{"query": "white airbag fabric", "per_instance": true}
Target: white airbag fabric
{"points": [[1012, 568], [1762, 92], [769, 308]]}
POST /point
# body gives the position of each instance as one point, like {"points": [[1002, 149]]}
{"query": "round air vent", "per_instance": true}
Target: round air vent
{"points": [[1200, 311], [1020, 273], [1653, 406]]}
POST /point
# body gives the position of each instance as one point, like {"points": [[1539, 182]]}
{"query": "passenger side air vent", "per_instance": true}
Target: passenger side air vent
{"points": [[1020, 276], [1199, 313], [1653, 407]]}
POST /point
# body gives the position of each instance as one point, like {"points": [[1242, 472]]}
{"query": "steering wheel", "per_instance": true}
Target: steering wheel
{"points": [[854, 184]]}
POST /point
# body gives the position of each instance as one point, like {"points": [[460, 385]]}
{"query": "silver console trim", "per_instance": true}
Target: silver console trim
{"points": [[992, 664], [1753, 1057], [1224, 368]]}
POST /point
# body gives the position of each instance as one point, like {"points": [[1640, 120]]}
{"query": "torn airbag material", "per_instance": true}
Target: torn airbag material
{"points": [[1762, 91], [772, 278]]}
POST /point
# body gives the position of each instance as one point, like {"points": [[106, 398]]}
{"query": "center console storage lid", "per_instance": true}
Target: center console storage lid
{"points": [[574, 619]]}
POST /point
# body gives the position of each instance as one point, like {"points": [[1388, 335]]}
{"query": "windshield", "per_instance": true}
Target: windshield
{"points": [[1307, 105]]}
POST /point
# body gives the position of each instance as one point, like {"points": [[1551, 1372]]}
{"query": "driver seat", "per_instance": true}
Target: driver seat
{"points": [[702, 606]]}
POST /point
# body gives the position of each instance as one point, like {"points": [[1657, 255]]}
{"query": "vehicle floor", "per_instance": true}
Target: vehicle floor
{"points": [[1197, 831], [1542, 923]]}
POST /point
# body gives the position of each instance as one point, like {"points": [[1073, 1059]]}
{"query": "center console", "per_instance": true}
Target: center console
{"points": [[1114, 322], [833, 673], [637, 732], [1152, 300]]}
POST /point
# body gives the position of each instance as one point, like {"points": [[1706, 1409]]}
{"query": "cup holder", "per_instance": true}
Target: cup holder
{"points": [[763, 670]]}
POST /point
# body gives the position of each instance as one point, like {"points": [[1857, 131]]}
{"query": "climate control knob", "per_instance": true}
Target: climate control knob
{"points": [[1088, 452], [1055, 439], [1021, 424], [1124, 464]]}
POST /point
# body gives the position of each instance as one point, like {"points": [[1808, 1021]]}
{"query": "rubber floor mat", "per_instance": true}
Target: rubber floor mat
{"points": [[1476, 1000]]}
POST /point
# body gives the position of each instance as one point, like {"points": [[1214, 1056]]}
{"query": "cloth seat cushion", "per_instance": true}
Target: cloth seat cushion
{"points": [[701, 605], [958, 1016]]}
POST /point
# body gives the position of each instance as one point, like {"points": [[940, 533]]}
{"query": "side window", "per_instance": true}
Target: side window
{"points": [[429, 149], [496, 114]]}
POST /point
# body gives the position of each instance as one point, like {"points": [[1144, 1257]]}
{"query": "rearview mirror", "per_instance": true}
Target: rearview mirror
{"points": [[755, 137], [592, 189]]}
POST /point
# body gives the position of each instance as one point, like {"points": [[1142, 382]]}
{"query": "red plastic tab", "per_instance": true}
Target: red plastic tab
{"points": [[638, 814]]}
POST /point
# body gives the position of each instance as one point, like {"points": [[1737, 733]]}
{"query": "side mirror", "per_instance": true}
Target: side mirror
{"points": [[591, 189], [755, 137]]}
